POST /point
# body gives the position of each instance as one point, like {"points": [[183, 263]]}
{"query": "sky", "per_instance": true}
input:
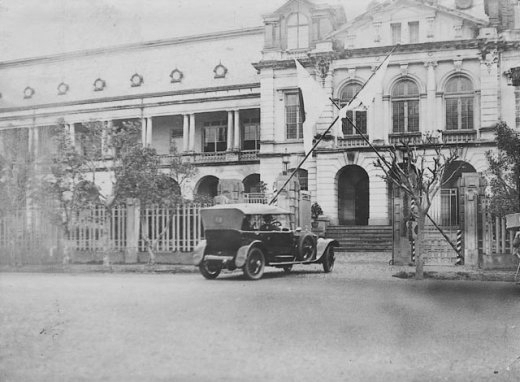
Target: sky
{"points": [[32, 28]]}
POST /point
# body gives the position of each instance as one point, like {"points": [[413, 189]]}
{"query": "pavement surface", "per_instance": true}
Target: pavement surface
{"points": [[358, 323], [375, 264]]}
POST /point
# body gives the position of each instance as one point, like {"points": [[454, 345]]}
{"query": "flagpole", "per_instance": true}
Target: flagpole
{"points": [[330, 127], [372, 75], [303, 160]]}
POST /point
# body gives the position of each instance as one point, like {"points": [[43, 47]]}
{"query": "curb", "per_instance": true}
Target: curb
{"points": [[470, 276]]}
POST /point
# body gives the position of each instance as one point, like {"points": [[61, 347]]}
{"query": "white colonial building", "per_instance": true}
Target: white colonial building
{"points": [[228, 101]]}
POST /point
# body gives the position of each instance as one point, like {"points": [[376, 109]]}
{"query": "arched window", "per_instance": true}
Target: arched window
{"points": [[459, 97], [359, 117], [297, 31], [303, 177], [405, 106]]}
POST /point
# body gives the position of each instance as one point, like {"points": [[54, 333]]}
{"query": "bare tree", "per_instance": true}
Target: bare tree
{"points": [[419, 171]]}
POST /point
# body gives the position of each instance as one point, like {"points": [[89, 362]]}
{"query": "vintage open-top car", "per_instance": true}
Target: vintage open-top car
{"points": [[252, 236]]}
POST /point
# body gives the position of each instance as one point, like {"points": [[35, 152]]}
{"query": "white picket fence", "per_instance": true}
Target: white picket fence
{"points": [[178, 228], [88, 229]]}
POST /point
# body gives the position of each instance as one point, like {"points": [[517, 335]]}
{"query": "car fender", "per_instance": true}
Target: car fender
{"points": [[322, 244], [240, 258], [198, 252]]}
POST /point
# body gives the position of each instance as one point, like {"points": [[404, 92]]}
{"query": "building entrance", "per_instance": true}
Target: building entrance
{"points": [[353, 196]]}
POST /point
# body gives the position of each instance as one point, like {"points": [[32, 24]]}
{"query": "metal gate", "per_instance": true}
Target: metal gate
{"points": [[445, 212]]}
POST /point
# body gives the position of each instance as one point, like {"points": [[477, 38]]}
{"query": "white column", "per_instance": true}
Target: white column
{"points": [[431, 88], [185, 133], [192, 132], [149, 127], [230, 130], [72, 134], [143, 131], [387, 117], [36, 142], [107, 126], [236, 139]]}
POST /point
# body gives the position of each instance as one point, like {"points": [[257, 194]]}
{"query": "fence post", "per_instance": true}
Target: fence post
{"points": [[133, 210], [471, 187]]}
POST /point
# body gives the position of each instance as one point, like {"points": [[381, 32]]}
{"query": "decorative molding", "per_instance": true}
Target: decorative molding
{"points": [[404, 69], [489, 58], [430, 64], [220, 71], [136, 80], [176, 76], [63, 88], [322, 66], [99, 85], [90, 101], [457, 63], [351, 73], [28, 92]]}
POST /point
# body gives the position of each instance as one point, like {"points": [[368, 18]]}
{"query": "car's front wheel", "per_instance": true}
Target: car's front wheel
{"points": [[210, 270], [255, 264], [328, 259], [306, 248]]}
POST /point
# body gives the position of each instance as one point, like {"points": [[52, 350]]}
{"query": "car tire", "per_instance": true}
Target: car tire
{"points": [[210, 270], [255, 264], [306, 248], [328, 259]]}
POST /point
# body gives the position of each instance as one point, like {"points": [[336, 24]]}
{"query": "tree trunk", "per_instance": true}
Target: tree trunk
{"points": [[106, 238], [419, 246]]}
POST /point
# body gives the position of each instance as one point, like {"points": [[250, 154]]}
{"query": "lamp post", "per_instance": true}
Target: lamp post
{"points": [[285, 161]]}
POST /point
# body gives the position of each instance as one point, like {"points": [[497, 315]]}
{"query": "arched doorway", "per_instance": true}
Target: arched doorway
{"points": [[170, 185], [207, 187], [252, 184], [353, 196], [450, 195]]}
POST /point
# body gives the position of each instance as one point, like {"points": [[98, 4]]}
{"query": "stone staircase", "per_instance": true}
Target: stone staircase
{"points": [[361, 238]]}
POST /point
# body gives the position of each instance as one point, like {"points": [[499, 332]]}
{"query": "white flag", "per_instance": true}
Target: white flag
{"points": [[366, 95], [313, 100]]}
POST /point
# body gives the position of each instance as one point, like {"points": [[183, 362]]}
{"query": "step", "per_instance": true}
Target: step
{"points": [[362, 238]]}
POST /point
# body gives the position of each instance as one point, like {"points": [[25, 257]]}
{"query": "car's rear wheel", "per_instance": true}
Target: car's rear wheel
{"points": [[255, 264], [210, 269], [306, 248], [328, 259]]}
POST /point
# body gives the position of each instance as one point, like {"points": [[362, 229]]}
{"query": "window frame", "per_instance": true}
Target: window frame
{"points": [[298, 125], [413, 38], [459, 96], [221, 129], [407, 101], [302, 29], [359, 116], [247, 123], [396, 27]]}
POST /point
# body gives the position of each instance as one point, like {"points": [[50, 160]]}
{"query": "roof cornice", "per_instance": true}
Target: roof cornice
{"points": [[131, 47]]}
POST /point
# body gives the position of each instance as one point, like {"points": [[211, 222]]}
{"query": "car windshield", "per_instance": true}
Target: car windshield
{"points": [[267, 222]]}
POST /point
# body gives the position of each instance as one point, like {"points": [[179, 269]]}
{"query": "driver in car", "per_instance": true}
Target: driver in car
{"points": [[270, 224]]}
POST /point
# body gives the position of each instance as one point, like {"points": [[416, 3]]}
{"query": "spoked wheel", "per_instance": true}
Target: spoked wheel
{"points": [[306, 247], [287, 268], [328, 259], [210, 270], [255, 264]]}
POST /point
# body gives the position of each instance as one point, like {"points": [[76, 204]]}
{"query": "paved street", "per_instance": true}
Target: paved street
{"points": [[357, 324]]}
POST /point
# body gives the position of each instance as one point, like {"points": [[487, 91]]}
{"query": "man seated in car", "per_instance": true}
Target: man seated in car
{"points": [[270, 224]]}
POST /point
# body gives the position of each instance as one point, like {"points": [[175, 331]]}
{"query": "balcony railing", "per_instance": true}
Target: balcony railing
{"points": [[352, 141], [459, 136], [221, 156], [411, 138]]}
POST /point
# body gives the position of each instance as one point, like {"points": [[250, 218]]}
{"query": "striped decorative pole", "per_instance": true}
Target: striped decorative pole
{"points": [[460, 259]]}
